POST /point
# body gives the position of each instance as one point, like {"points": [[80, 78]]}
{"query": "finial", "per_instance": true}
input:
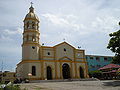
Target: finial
{"points": [[31, 8], [64, 39], [31, 3]]}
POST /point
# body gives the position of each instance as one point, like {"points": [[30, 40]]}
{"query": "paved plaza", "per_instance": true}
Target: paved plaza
{"points": [[73, 85]]}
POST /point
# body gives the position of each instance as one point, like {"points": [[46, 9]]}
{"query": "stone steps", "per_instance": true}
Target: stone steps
{"points": [[64, 80]]}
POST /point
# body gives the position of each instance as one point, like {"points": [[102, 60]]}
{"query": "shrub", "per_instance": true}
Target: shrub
{"points": [[95, 74], [11, 87]]}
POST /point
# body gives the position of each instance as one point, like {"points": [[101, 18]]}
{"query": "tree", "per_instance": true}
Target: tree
{"points": [[114, 46]]}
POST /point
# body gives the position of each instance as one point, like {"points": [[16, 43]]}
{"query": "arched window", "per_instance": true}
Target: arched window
{"points": [[37, 26], [33, 70], [27, 25], [49, 73], [27, 37], [81, 71], [33, 25], [33, 38]]}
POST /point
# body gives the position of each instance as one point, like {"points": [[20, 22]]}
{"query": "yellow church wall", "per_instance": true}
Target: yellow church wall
{"points": [[38, 69], [56, 65], [57, 70], [29, 53], [73, 70], [19, 70], [48, 58], [71, 66], [79, 54], [78, 65], [40, 53], [48, 50], [52, 65], [45, 51], [61, 53], [31, 31], [30, 34], [25, 55], [25, 68], [22, 70]]}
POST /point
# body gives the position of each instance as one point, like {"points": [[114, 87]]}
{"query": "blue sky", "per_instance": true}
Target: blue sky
{"points": [[85, 23]]}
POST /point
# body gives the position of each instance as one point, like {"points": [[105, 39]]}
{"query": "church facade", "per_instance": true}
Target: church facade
{"points": [[62, 61]]}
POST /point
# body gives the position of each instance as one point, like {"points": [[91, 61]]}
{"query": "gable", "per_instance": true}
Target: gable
{"points": [[64, 50], [64, 43]]}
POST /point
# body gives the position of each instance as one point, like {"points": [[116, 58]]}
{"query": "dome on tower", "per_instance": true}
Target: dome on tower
{"points": [[31, 14]]}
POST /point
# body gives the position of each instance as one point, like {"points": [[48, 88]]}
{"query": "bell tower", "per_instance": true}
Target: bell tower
{"points": [[30, 46]]}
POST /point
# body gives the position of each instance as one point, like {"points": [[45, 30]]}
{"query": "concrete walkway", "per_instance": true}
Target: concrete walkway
{"points": [[73, 85]]}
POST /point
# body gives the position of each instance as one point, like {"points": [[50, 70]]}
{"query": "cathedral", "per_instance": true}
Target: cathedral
{"points": [[39, 62]]}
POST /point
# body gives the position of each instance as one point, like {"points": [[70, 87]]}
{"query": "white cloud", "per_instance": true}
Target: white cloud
{"points": [[12, 32], [104, 24], [5, 38], [65, 21], [9, 35], [56, 20], [100, 23]]}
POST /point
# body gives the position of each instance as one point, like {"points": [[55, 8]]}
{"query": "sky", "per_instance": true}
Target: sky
{"points": [[84, 23]]}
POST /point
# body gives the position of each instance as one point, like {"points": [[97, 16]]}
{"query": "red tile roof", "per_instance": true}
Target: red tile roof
{"points": [[110, 66]]}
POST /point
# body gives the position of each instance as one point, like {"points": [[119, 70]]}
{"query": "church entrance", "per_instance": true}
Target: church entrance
{"points": [[49, 73], [66, 71], [81, 72]]}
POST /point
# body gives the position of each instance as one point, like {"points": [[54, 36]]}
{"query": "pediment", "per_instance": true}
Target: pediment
{"points": [[65, 58], [65, 44]]}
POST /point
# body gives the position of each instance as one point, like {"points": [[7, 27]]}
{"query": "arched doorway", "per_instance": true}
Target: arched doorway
{"points": [[66, 71], [33, 70], [81, 72], [49, 73]]}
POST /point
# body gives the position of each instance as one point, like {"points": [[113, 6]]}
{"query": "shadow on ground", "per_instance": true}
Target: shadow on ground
{"points": [[112, 83]]}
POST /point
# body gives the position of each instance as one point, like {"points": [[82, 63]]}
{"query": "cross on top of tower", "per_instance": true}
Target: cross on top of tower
{"points": [[31, 3], [64, 39], [31, 8]]}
